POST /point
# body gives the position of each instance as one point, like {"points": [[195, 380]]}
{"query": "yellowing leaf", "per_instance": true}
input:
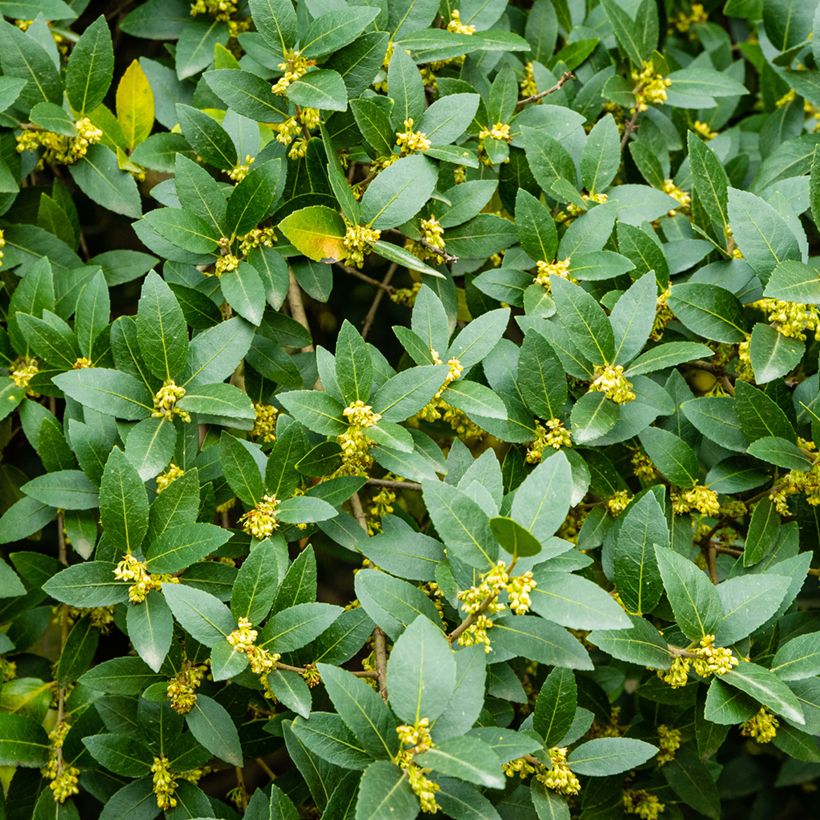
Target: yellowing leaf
{"points": [[135, 105]]}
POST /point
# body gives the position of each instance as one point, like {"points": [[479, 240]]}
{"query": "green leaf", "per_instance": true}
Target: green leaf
{"points": [[354, 367], [297, 626], [275, 20], [256, 583], [316, 410], [65, 489], [797, 659], [404, 394], [251, 200], [584, 321], [87, 585], [671, 455], [421, 672], [531, 637], [23, 742], [641, 644], [513, 538], [205, 617], [247, 94], [179, 547], [151, 629], [636, 568], [99, 177], [385, 794], [326, 735], [555, 706], [606, 756], [162, 331], [759, 415], [575, 602], [762, 536], [316, 232], [214, 728], [466, 758], [120, 753], [90, 67], [535, 226], [793, 281], [593, 416], [323, 89], [330, 31], [601, 155], [636, 36], [763, 236], [123, 503], [461, 524], [244, 291], [21, 56], [694, 600], [667, 355], [709, 311], [362, 710], [766, 688], [772, 354], [399, 192], [391, 603], [207, 137], [220, 403], [543, 499], [748, 602]]}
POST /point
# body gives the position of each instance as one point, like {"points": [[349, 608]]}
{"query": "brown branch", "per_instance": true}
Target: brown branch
{"points": [[565, 78], [387, 288], [394, 485], [629, 128], [358, 511], [265, 768], [471, 619], [440, 252], [297, 308], [377, 300], [380, 650]]}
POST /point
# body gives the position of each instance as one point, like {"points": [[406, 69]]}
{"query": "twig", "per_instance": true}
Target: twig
{"points": [[358, 511], [565, 77], [377, 299], [711, 562], [380, 649], [629, 127], [243, 792], [471, 619], [297, 308], [387, 288], [265, 768], [394, 485], [440, 252]]}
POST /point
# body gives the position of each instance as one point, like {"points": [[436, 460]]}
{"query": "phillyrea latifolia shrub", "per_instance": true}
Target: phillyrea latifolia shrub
{"points": [[410, 407]]}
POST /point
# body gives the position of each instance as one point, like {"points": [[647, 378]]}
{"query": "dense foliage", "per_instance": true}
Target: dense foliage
{"points": [[543, 546]]}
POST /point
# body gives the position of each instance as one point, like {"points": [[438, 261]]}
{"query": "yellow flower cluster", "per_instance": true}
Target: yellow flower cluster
{"points": [[669, 741], [698, 14], [643, 804], [559, 778], [380, 506], [164, 480], [699, 498], [264, 425], [165, 402], [261, 521], [294, 67], [618, 502], [416, 736], [240, 170], [243, 637], [704, 130], [573, 210], [796, 482], [59, 148], [181, 689], [164, 783], [791, 319], [142, 582], [409, 140], [642, 466], [260, 660], [359, 414], [2, 245], [651, 87], [680, 196], [311, 675], [518, 592], [258, 237], [424, 788], [221, 10], [663, 316], [610, 380], [432, 233], [81, 362], [706, 660], [100, 617], [356, 458], [559, 267], [306, 119], [406, 296], [500, 132], [456, 26], [416, 739], [551, 433], [64, 778], [528, 85], [761, 727], [519, 766], [358, 241], [23, 370]]}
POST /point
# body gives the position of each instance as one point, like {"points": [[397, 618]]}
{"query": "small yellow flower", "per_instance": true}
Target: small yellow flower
{"points": [[713, 660], [181, 689], [220, 10], [240, 171], [650, 87], [165, 402], [611, 381], [264, 425], [559, 778], [410, 141], [618, 502], [669, 741], [261, 521], [761, 727], [699, 498], [703, 129], [500, 132], [642, 804], [559, 267], [456, 26], [677, 675], [23, 370], [295, 66], [551, 433], [358, 241], [164, 480]]}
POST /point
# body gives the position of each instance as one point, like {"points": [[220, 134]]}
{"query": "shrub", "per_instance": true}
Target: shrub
{"points": [[541, 549]]}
